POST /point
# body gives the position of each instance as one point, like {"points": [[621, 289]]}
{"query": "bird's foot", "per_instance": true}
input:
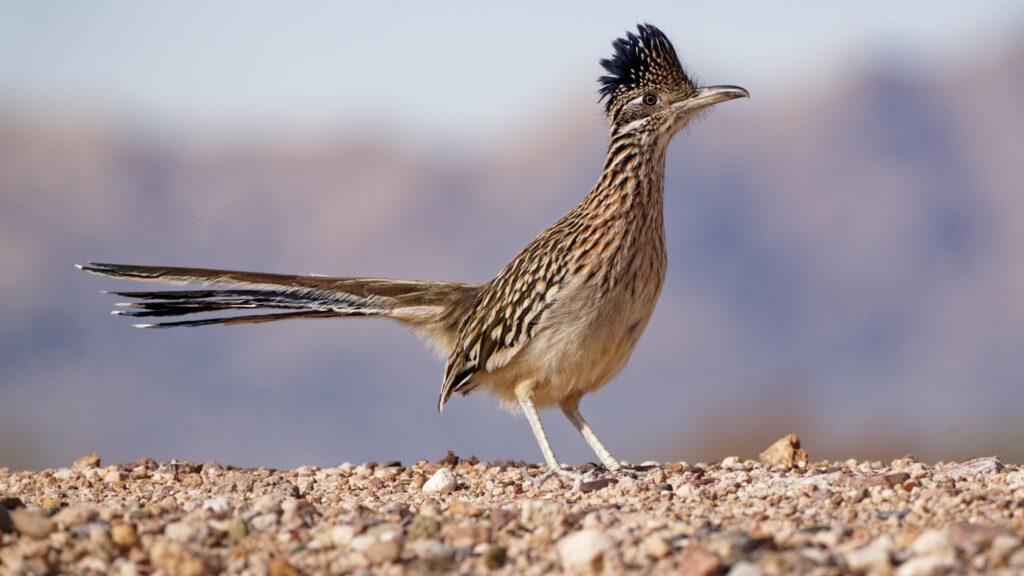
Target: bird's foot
{"points": [[577, 477], [633, 471]]}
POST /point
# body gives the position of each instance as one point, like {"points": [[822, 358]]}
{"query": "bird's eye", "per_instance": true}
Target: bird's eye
{"points": [[650, 99]]}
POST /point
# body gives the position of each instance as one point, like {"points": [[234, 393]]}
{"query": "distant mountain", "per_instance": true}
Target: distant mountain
{"points": [[845, 262]]}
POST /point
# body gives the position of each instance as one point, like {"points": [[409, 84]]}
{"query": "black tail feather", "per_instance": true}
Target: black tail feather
{"points": [[179, 303], [254, 319], [186, 302], [185, 294]]}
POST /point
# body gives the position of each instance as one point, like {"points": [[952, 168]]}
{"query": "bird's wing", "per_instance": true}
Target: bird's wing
{"points": [[505, 316]]}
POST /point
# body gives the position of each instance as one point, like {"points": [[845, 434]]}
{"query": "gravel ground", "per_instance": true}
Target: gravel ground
{"points": [[780, 515]]}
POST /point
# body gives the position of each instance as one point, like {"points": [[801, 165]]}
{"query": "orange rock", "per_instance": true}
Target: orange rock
{"points": [[697, 561], [785, 451]]}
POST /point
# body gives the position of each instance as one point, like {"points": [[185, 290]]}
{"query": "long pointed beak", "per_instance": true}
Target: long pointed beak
{"points": [[711, 95]]}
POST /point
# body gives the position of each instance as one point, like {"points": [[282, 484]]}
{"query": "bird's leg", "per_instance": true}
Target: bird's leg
{"points": [[524, 393], [571, 409]]}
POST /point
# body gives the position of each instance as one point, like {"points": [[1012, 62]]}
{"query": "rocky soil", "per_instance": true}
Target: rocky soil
{"points": [[781, 515]]}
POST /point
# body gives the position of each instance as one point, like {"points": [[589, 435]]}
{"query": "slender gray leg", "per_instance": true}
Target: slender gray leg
{"points": [[572, 412], [524, 393]]}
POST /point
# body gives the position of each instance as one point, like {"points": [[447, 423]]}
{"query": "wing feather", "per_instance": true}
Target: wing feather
{"points": [[505, 316]]}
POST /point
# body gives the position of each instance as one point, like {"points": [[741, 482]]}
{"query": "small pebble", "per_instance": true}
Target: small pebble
{"points": [[875, 557], [219, 506], [925, 566], [934, 543], [697, 561], [656, 547], [86, 462], [976, 467], [124, 535], [263, 522], [442, 482], [74, 516], [584, 550], [186, 531], [30, 523], [786, 452]]}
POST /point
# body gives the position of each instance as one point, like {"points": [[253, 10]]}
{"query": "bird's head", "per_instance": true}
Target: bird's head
{"points": [[646, 89]]}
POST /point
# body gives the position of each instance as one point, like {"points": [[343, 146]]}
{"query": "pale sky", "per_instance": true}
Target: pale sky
{"points": [[454, 68]]}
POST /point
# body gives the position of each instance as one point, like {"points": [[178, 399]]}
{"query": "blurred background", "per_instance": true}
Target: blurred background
{"points": [[846, 248]]}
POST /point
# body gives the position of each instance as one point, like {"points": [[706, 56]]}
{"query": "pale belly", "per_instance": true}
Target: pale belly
{"points": [[578, 348]]}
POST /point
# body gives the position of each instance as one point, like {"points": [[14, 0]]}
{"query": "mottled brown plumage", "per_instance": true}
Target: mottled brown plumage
{"points": [[561, 319]]}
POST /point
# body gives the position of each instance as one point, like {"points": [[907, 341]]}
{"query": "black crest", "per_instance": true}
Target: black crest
{"points": [[640, 60]]}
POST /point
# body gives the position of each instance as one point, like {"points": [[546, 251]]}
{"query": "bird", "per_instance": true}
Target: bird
{"points": [[559, 321]]}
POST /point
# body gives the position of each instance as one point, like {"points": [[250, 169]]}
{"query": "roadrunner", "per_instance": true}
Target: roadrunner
{"points": [[561, 319]]}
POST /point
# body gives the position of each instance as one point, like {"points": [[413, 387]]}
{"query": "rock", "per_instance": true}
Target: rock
{"points": [[687, 491], [925, 566], [594, 485], [263, 522], [1003, 546], [437, 557], [382, 543], [697, 561], [176, 560], [124, 535], [74, 515], [495, 556], [887, 480], [266, 503], [82, 530], [423, 527], [279, 567], [385, 531], [320, 541], [731, 544], [584, 550], [745, 569], [1016, 559], [212, 466], [99, 536], [91, 565], [656, 547], [976, 467], [6, 525], [236, 529], [442, 482], [220, 505], [361, 542], [463, 508], [785, 451], [934, 544], [466, 535], [86, 462], [186, 531], [973, 538], [343, 534], [30, 523], [1015, 479], [874, 558], [381, 551]]}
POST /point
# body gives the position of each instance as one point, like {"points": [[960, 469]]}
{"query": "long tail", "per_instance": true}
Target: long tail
{"points": [[432, 308]]}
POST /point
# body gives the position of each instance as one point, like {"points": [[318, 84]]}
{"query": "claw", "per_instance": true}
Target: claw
{"points": [[577, 477]]}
